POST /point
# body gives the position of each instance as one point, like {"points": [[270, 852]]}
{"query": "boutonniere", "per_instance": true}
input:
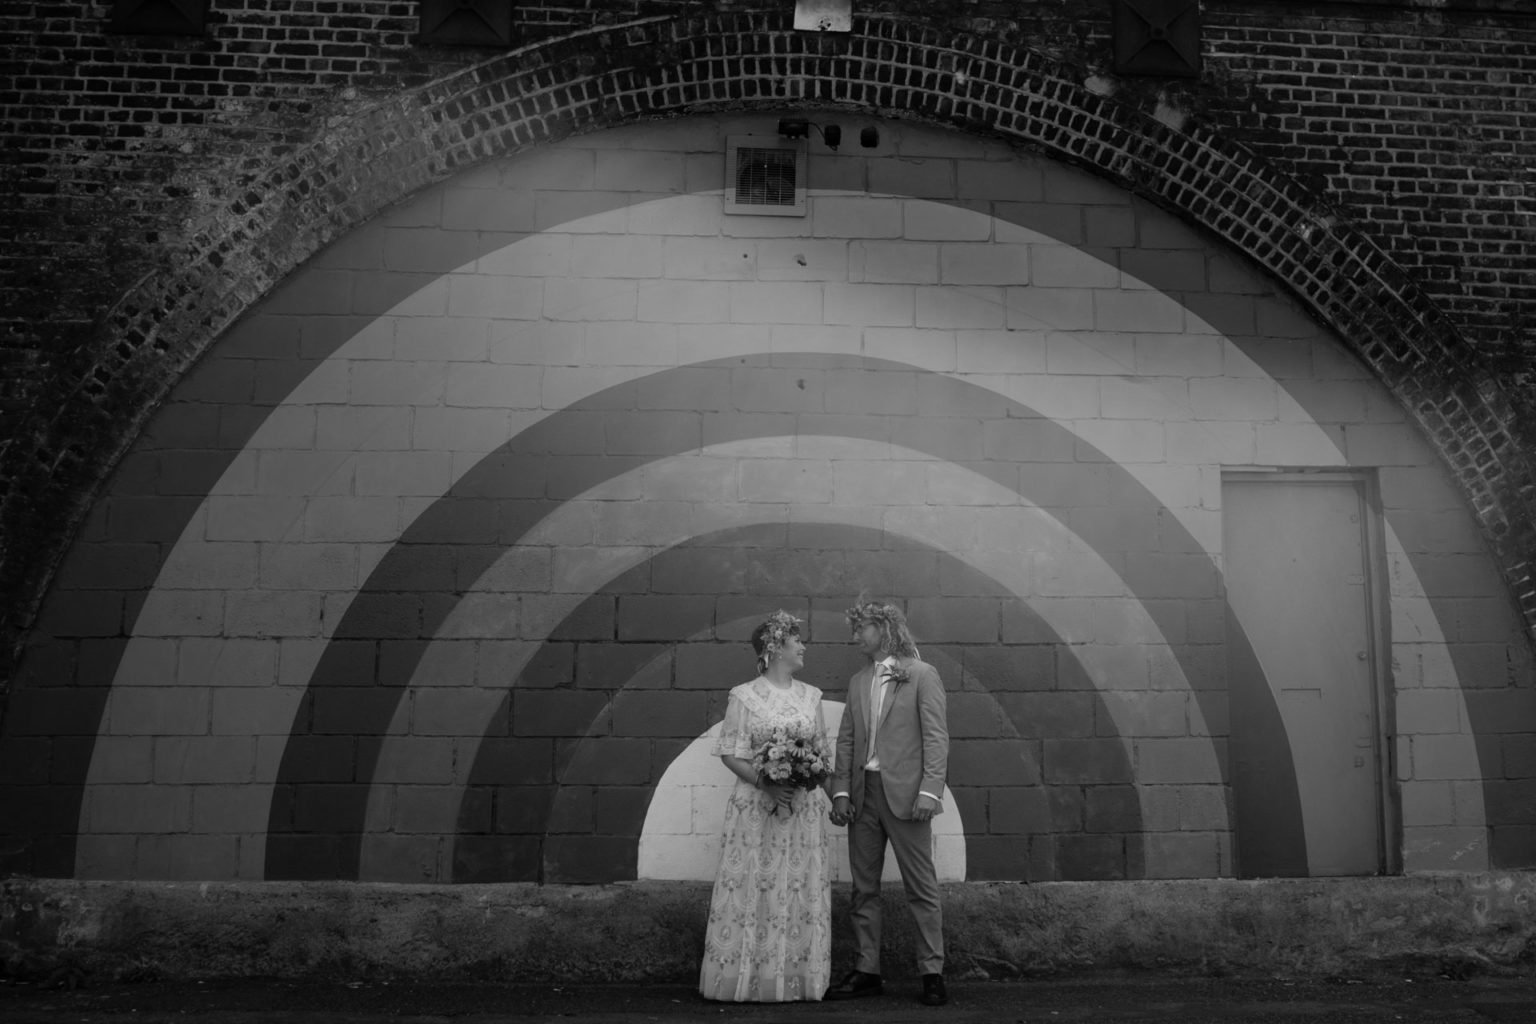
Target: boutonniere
{"points": [[897, 675]]}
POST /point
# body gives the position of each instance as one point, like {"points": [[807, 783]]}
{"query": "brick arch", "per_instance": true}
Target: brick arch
{"points": [[671, 66]]}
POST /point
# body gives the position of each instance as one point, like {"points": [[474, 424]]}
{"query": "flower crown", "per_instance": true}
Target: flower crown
{"points": [[781, 626]]}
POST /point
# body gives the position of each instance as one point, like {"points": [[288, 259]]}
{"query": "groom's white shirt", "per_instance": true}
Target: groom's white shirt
{"points": [[879, 681]]}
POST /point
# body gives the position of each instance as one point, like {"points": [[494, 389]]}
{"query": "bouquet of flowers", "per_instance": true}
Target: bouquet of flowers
{"points": [[792, 756]]}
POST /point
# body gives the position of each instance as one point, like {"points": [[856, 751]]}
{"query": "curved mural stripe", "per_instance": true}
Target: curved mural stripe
{"points": [[641, 708], [86, 712], [994, 533], [465, 514]]}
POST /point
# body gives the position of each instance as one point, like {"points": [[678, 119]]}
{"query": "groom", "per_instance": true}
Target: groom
{"points": [[892, 750]]}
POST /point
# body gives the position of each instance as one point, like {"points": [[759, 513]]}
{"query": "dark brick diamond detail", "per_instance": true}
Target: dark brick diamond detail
{"points": [[1157, 38], [466, 22], [160, 17]]}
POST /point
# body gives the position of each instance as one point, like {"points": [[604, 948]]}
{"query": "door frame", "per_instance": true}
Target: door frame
{"points": [[1389, 829]]}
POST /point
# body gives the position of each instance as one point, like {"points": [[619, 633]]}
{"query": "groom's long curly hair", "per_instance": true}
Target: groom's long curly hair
{"points": [[895, 638]]}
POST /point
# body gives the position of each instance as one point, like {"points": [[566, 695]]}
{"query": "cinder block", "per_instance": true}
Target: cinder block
{"points": [[247, 517], [1177, 761], [929, 178], [1000, 352], [496, 858], [1091, 858], [556, 713], [182, 760], [644, 713], [264, 613], [882, 392], [1115, 809], [1008, 180], [869, 305], [892, 263], [1182, 855], [483, 385], [1086, 762], [643, 617], [726, 259], [581, 212], [1110, 226], [855, 217], [576, 299], [785, 259], [782, 480], [1043, 714], [1032, 223], [137, 809], [1090, 353], [1039, 308], [716, 667], [1164, 270], [1015, 810], [1444, 848], [605, 761], [1427, 804], [1229, 315], [683, 302], [1144, 714], [1145, 312], [593, 619], [314, 293], [999, 762], [1121, 441], [422, 759], [954, 619], [524, 256], [552, 167], [225, 663], [589, 859], [454, 430], [1429, 711], [1067, 266], [686, 215], [962, 307], [348, 429], [617, 256], [524, 761], [1000, 858], [923, 220]]}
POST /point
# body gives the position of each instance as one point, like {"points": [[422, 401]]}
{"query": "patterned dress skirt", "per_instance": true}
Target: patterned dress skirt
{"points": [[769, 937]]}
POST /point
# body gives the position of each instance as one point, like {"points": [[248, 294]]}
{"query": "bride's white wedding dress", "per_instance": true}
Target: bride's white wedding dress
{"points": [[769, 937]]}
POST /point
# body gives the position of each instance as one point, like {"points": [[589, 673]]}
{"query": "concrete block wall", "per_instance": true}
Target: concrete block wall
{"points": [[443, 556]]}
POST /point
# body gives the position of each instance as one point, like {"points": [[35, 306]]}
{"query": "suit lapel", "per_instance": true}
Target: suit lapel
{"points": [[858, 697]]}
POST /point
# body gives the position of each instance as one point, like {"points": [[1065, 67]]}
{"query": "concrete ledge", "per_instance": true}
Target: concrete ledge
{"points": [[652, 931]]}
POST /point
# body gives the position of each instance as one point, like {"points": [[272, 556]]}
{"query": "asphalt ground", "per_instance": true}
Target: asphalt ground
{"points": [[1122, 998]]}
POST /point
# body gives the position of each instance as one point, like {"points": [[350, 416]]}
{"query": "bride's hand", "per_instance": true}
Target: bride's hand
{"points": [[782, 795]]}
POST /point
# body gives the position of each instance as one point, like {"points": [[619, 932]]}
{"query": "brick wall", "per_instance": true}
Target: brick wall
{"points": [[124, 150], [444, 556]]}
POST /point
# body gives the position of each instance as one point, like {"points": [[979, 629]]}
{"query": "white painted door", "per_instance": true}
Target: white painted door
{"points": [[1298, 567]]}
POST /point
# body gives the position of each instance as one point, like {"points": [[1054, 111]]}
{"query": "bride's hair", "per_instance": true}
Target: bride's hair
{"points": [[895, 638], [770, 635]]}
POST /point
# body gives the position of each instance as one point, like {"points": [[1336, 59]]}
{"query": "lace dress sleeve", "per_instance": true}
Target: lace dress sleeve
{"points": [[735, 732]]}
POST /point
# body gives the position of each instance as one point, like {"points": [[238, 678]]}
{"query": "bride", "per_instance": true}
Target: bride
{"points": [[769, 937]]}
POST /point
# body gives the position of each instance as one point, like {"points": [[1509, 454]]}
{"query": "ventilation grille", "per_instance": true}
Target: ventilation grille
{"points": [[764, 176]]}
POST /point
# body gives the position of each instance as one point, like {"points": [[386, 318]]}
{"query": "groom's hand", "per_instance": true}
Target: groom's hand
{"points": [[925, 808], [842, 811]]}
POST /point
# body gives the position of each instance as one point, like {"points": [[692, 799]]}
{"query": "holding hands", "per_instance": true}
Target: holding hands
{"points": [[842, 811]]}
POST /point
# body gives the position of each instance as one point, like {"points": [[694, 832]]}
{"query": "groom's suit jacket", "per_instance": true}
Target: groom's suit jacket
{"points": [[912, 741]]}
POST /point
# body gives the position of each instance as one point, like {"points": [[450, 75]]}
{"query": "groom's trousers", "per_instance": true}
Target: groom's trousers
{"points": [[912, 842]]}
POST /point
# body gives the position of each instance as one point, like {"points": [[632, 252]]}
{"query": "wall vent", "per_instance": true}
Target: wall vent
{"points": [[765, 176]]}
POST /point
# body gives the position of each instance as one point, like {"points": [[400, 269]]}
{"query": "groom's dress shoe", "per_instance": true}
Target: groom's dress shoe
{"points": [[856, 984], [934, 992]]}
